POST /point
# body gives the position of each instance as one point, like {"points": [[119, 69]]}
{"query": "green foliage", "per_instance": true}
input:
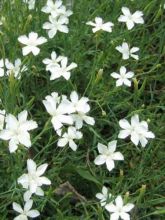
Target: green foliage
{"points": [[142, 172]]}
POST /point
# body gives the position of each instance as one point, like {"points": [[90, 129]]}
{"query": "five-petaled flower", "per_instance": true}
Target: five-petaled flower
{"points": [[62, 69], [31, 42], [100, 25], [136, 129], [123, 77], [60, 111], [26, 211], [33, 180], [131, 19], [69, 137], [127, 52], [17, 130], [108, 155], [56, 24], [119, 210]]}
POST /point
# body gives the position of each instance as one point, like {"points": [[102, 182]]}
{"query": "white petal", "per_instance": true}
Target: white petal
{"points": [[5, 134], [72, 145], [99, 196], [122, 70], [44, 180], [41, 169], [17, 207], [102, 148], [123, 134], [128, 207], [27, 195], [135, 120], [110, 164], [99, 160], [74, 97], [119, 202], [130, 24], [114, 216], [22, 116], [135, 138], [26, 50], [28, 205], [124, 124], [13, 145], [125, 216], [115, 75], [118, 156], [31, 166], [126, 11], [33, 213], [39, 192], [89, 120], [111, 207], [62, 142], [112, 146], [24, 139]]}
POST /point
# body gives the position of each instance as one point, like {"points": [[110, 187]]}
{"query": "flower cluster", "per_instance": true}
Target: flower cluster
{"points": [[137, 130], [58, 17], [71, 112], [58, 66], [16, 69]]}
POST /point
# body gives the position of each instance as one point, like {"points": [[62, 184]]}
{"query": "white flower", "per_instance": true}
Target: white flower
{"points": [[62, 70], [131, 19], [59, 111], [55, 8], [2, 118], [123, 77], [137, 130], [69, 137], [15, 68], [33, 180], [26, 211], [100, 25], [31, 4], [127, 52], [17, 130], [104, 196], [108, 155], [81, 107], [31, 42], [56, 24], [53, 62], [119, 210]]}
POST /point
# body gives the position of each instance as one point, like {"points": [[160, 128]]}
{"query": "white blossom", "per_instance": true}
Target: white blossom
{"points": [[56, 8], [56, 24], [137, 130], [62, 70], [119, 210], [25, 212], [100, 25], [108, 155], [16, 69], [103, 196], [69, 137], [33, 180], [127, 52], [31, 42], [123, 77], [53, 62], [131, 19], [60, 112], [81, 108], [17, 130]]}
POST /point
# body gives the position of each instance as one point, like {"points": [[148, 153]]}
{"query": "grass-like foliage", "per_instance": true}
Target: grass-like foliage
{"points": [[74, 149]]}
